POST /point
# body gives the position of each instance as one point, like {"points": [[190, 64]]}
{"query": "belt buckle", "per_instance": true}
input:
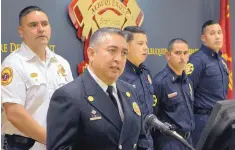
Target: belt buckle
{"points": [[187, 135]]}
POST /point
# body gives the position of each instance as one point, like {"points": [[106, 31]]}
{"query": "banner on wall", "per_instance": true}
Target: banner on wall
{"points": [[225, 23], [89, 15]]}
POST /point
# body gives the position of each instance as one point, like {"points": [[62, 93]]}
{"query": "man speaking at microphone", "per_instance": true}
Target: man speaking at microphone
{"points": [[97, 111], [175, 95]]}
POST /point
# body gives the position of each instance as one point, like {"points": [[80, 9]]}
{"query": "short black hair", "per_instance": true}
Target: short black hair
{"points": [[28, 10], [101, 32], [208, 23], [130, 30], [176, 40]]}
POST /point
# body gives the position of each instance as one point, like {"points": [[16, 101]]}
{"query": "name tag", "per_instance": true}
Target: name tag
{"points": [[96, 118], [172, 95]]}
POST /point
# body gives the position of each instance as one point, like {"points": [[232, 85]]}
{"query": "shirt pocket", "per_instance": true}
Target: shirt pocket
{"points": [[214, 78], [174, 103], [212, 71], [34, 82], [36, 88]]}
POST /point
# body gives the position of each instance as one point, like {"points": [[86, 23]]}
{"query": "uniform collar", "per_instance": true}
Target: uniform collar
{"points": [[100, 82], [135, 69], [174, 77], [209, 51], [29, 54]]}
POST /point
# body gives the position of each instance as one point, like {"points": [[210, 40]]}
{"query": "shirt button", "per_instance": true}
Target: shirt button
{"points": [[134, 146], [120, 146]]}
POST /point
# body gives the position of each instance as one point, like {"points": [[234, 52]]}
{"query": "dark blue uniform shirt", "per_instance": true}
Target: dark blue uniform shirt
{"points": [[140, 79], [175, 96], [209, 74]]}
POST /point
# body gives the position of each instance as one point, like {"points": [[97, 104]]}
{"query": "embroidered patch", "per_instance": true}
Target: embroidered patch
{"points": [[189, 68], [154, 100], [7, 75]]}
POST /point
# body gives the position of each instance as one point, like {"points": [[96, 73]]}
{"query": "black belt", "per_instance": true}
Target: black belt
{"points": [[24, 142], [185, 135], [202, 111]]}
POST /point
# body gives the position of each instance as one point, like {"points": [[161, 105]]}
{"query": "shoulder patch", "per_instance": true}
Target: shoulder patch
{"points": [[189, 68], [154, 100], [161, 75], [7, 75]]}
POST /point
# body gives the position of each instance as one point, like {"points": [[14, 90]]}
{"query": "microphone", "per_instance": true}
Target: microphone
{"points": [[152, 121]]}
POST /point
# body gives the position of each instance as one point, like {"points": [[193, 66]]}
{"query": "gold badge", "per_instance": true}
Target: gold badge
{"points": [[7, 75], [91, 98], [128, 94], [61, 70], [189, 68], [136, 108], [154, 100], [149, 78], [33, 75]]}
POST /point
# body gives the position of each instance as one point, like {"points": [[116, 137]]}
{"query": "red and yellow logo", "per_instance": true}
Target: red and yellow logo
{"points": [[89, 15]]}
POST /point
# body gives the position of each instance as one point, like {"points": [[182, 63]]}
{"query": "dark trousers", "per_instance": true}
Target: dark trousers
{"points": [[17, 142], [165, 142], [200, 123]]}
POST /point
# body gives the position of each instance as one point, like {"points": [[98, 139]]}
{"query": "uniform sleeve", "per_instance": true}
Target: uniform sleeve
{"points": [[158, 92], [194, 70], [145, 141], [70, 75], [62, 121], [12, 84]]}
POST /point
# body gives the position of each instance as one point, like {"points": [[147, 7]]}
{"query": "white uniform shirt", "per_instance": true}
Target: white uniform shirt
{"points": [[28, 81]]}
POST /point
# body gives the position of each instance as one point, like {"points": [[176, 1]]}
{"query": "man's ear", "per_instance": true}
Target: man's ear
{"points": [[167, 55], [203, 38], [91, 52], [20, 31]]}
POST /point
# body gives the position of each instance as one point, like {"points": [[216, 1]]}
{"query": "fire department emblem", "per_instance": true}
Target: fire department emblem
{"points": [[89, 15]]}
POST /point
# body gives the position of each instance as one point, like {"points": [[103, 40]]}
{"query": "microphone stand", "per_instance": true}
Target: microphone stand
{"points": [[180, 138], [166, 128]]}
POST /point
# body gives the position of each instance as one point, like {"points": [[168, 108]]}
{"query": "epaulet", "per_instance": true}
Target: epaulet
{"points": [[161, 75]]}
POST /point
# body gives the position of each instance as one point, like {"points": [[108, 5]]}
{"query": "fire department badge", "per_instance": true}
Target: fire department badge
{"points": [[89, 15]]}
